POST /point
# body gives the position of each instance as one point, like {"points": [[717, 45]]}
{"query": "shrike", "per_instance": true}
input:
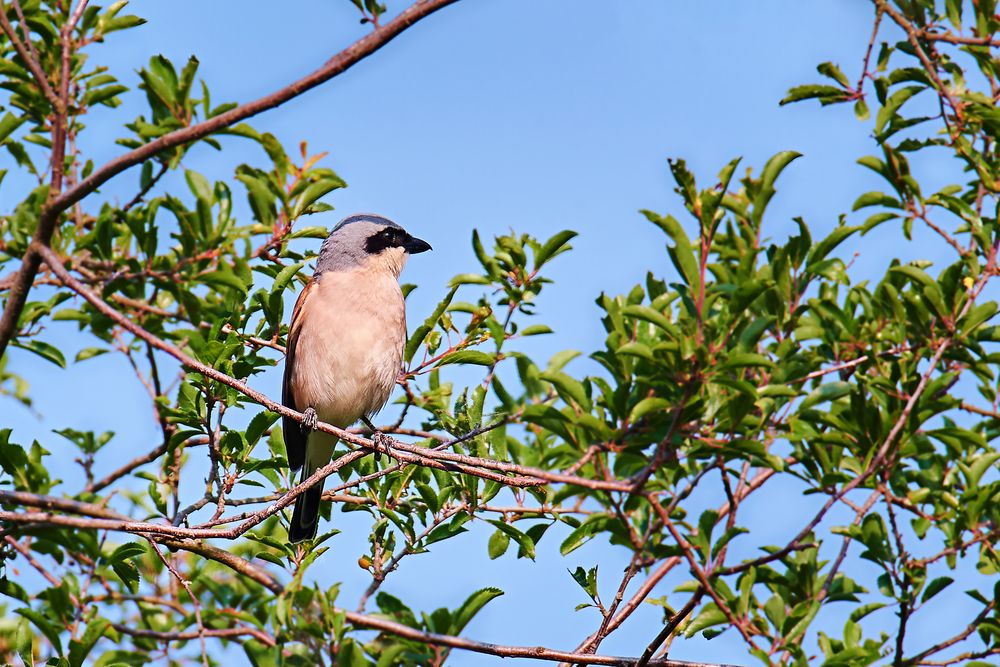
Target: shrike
{"points": [[345, 345]]}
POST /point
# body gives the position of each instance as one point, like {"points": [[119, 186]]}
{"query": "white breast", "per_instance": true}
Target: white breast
{"points": [[350, 346]]}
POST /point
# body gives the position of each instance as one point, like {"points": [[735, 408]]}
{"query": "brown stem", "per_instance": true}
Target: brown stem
{"points": [[226, 558], [669, 628], [138, 461], [259, 635]]}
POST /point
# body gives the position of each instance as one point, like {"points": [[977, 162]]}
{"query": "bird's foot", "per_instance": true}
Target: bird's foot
{"points": [[310, 421], [382, 441]]}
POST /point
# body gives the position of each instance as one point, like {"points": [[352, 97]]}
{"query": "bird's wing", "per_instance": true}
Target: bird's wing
{"points": [[295, 439]]}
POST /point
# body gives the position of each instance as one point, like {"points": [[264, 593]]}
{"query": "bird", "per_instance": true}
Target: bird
{"points": [[344, 346]]}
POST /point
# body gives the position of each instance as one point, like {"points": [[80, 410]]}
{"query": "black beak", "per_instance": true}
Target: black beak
{"points": [[413, 245]]}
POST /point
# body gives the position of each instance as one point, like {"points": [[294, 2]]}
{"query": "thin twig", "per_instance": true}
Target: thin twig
{"points": [[669, 628], [194, 598]]}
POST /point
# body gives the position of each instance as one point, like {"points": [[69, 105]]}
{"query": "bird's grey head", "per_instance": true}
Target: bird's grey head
{"points": [[367, 241]]}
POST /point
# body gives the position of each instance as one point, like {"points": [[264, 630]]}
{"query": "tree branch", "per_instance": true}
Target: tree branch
{"points": [[668, 629], [536, 652], [228, 633]]}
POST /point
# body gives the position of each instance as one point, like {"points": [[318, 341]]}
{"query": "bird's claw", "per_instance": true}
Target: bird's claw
{"points": [[382, 441], [310, 420]]}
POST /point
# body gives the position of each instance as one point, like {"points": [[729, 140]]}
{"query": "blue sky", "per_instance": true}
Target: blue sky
{"points": [[496, 115]]}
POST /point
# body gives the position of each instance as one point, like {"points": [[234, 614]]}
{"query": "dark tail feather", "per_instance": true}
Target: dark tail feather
{"points": [[305, 516]]}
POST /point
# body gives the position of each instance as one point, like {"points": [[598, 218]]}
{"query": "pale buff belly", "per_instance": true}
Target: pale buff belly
{"points": [[350, 347]]}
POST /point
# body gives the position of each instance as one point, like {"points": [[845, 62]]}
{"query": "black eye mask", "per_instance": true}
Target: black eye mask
{"points": [[389, 237], [393, 237]]}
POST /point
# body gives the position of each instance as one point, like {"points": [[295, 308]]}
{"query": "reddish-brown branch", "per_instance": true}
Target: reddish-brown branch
{"points": [[138, 461], [536, 652], [868, 52], [969, 407], [914, 36], [972, 627], [146, 188], [963, 40], [195, 602], [859, 515], [32, 561], [229, 559], [259, 635], [669, 628], [640, 595], [701, 574]]}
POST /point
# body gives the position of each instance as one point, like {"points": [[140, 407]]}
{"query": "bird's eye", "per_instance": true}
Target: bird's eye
{"points": [[385, 238]]}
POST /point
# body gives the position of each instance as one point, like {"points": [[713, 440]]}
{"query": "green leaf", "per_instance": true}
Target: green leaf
{"points": [[259, 424], [561, 358], [525, 542], [186, 79], [893, 104], [9, 123], [554, 246], [649, 315], [498, 544], [709, 616], [23, 643], [472, 605], [833, 71], [568, 388], [977, 316], [471, 357], [747, 359], [225, 278], [89, 353], [121, 562], [935, 587], [583, 533], [861, 109], [647, 406], [682, 254], [105, 95], [488, 263], [314, 191], [916, 274], [827, 392], [468, 279], [199, 185], [80, 649], [285, 276], [825, 94], [826, 246], [421, 332], [44, 350], [768, 176], [46, 627], [534, 330], [875, 199]]}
